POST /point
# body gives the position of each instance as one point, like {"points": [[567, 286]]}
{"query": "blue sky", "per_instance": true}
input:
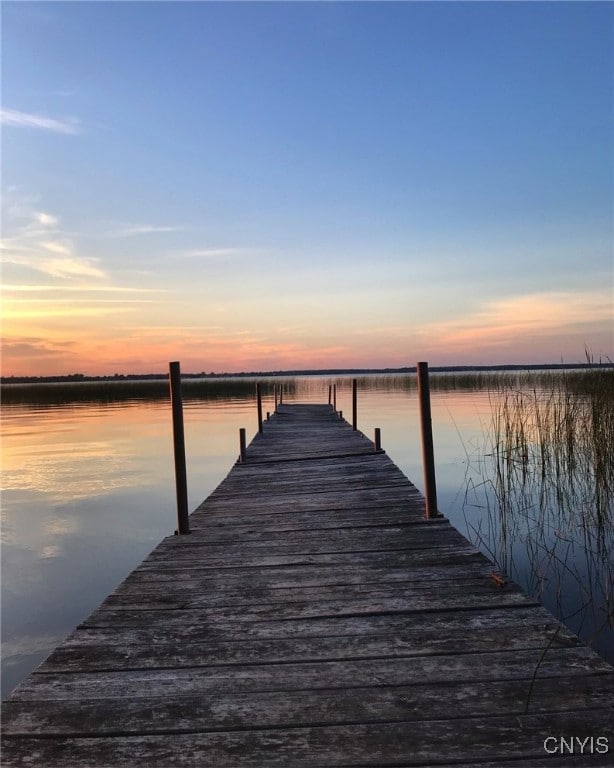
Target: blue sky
{"points": [[249, 186]]}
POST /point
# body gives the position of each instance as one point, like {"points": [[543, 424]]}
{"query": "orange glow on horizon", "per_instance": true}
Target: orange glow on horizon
{"points": [[39, 340], [28, 358]]}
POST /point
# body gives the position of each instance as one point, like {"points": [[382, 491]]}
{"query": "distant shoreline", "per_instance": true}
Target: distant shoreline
{"points": [[79, 377]]}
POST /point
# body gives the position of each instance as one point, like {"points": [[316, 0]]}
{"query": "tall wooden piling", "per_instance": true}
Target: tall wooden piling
{"points": [[183, 525], [428, 459], [242, 445], [354, 404], [259, 406]]}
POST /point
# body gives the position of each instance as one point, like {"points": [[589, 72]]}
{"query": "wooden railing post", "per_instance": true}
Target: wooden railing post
{"points": [[242, 444], [330, 391], [354, 408], [334, 397], [259, 404], [275, 392], [378, 439], [183, 524], [428, 459]]}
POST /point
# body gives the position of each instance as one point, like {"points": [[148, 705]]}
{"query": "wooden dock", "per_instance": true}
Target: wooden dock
{"points": [[314, 618]]}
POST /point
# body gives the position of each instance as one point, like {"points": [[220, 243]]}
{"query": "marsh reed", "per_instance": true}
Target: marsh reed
{"points": [[539, 497], [101, 392]]}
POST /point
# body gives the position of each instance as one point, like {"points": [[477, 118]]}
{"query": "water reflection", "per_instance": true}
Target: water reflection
{"points": [[68, 453], [89, 491]]}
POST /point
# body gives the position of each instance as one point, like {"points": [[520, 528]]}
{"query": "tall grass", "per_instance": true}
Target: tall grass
{"points": [[221, 388], [543, 484], [54, 394]]}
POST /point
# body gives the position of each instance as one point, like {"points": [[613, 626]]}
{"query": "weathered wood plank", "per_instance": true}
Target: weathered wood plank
{"points": [[391, 636], [282, 519], [245, 613], [237, 678], [263, 597], [428, 631], [434, 742], [219, 711], [384, 558], [424, 633], [401, 532], [314, 542], [178, 579], [322, 500]]}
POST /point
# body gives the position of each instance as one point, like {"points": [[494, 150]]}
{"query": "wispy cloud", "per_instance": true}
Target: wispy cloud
{"points": [[213, 253], [34, 288], [503, 321], [50, 257], [31, 346], [25, 219], [15, 117], [143, 229], [81, 300], [37, 242], [70, 267], [66, 265], [55, 312], [46, 219], [61, 249]]}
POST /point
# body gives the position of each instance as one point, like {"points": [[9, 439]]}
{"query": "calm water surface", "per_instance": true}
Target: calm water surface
{"points": [[88, 491]]}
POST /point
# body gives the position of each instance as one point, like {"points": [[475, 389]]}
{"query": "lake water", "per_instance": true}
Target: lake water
{"points": [[88, 492]]}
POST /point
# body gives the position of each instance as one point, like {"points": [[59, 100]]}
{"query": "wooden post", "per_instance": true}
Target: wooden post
{"points": [[281, 393], [340, 414], [268, 415], [378, 439], [428, 459], [334, 397], [242, 445], [330, 391], [259, 404], [183, 524], [275, 391], [354, 409]]}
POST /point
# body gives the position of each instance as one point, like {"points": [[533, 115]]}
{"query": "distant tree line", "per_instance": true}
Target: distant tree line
{"points": [[80, 377]]}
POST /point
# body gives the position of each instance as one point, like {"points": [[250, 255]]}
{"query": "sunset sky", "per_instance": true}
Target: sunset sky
{"points": [[267, 186]]}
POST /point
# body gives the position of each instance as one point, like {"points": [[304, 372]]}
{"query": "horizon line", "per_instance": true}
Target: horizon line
{"points": [[17, 379]]}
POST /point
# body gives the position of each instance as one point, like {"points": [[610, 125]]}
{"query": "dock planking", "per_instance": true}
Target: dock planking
{"points": [[314, 617]]}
